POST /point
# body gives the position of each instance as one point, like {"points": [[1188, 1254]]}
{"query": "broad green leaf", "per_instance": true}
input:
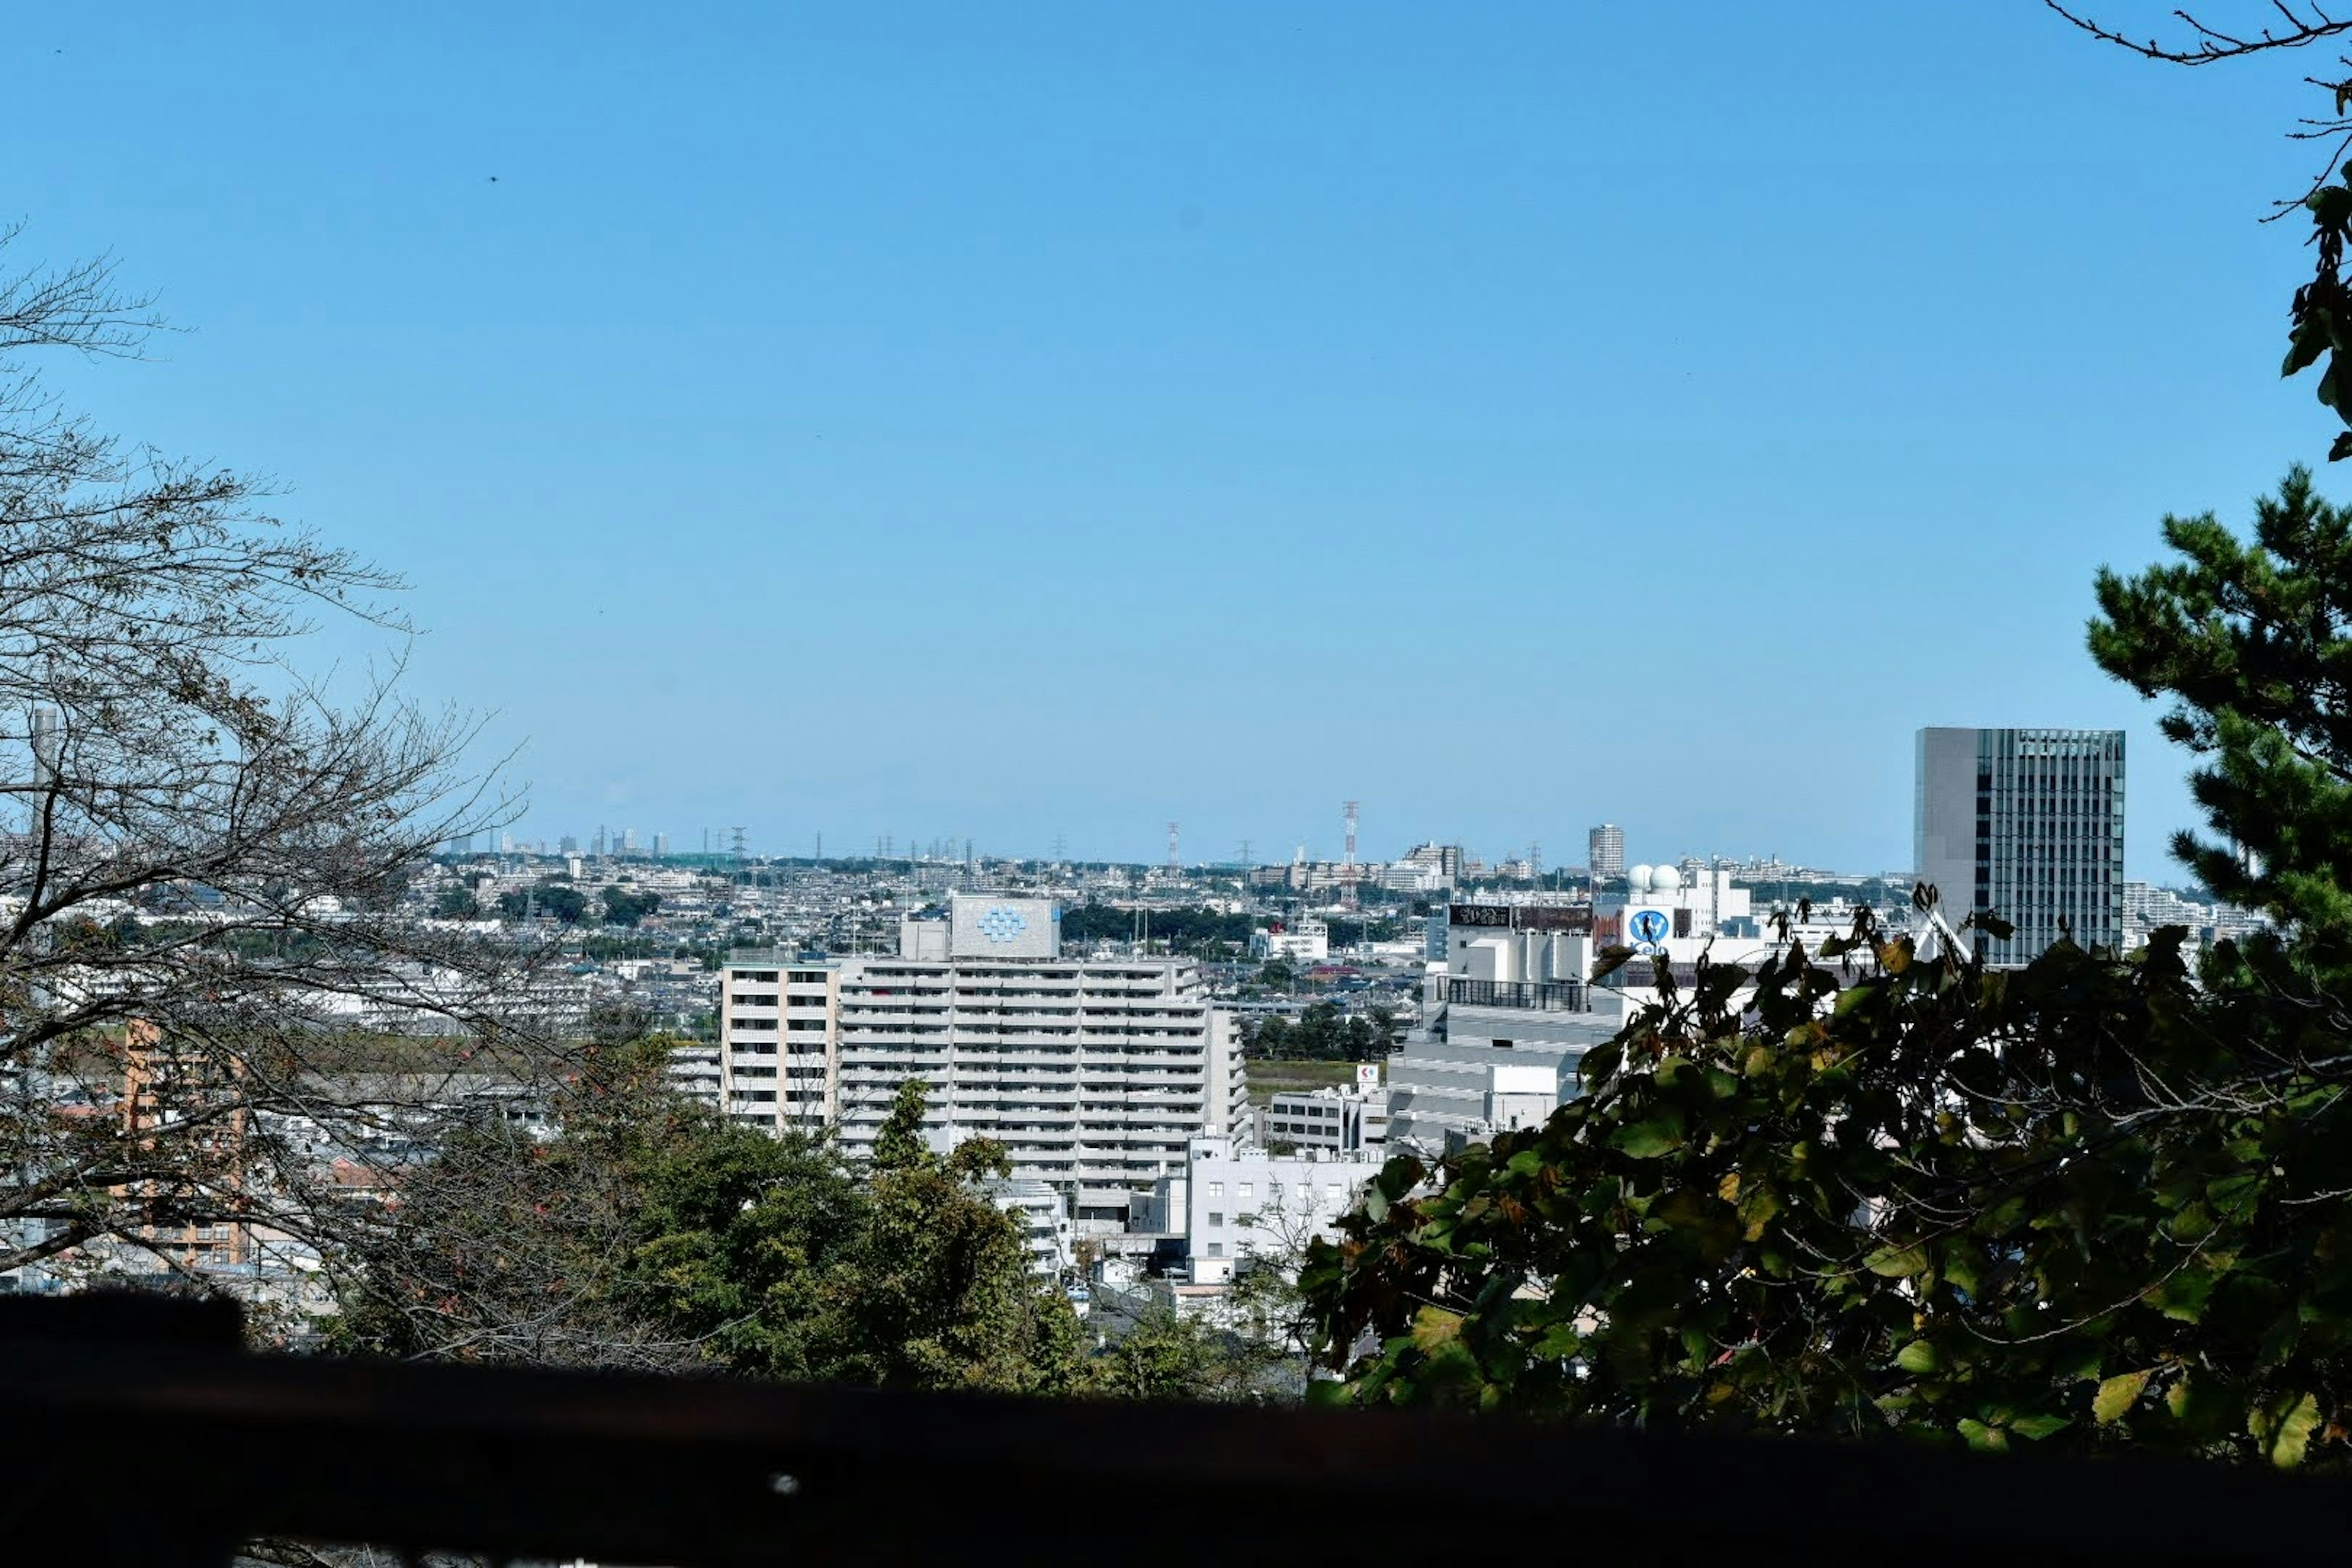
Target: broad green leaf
{"points": [[1896, 1263], [1648, 1140], [1919, 1356], [1983, 1439], [2035, 1428]]}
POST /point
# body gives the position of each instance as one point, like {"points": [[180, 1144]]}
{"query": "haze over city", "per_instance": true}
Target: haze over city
{"points": [[1047, 423]]}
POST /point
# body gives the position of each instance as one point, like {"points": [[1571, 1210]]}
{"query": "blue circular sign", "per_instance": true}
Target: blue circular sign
{"points": [[1647, 925]]}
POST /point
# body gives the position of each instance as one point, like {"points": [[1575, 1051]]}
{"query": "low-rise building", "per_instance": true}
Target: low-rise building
{"points": [[1043, 1213], [1343, 1119], [1234, 1203]]}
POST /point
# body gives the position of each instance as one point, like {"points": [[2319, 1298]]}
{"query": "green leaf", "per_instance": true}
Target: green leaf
{"points": [[1920, 1357], [2035, 1428], [1896, 1262], [2116, 1396], [1983, 1439], [2182, 1298], [1648, 1140]]}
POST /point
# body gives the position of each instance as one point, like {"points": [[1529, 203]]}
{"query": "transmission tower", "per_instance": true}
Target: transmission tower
{"points": [[1243, 856], [1174, 863], [1350, 807], [739, 844]]}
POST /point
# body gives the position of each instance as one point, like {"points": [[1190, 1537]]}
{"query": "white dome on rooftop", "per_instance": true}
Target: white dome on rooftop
{"points": [[1638, 878], [1665, 879]]}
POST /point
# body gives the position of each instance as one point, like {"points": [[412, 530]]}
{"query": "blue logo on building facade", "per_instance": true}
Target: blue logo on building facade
{"points": [[1002, 924], [1647, 925]]}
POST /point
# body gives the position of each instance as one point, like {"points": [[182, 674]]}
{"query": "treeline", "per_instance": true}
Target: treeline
{"points": [[558, 899], [1191, 929], [650, 1232], [1323, 1034]]}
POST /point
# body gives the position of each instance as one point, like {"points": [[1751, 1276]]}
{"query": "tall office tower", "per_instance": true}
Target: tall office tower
{"points": [[1605, 851], [1094, 1074], [661, 846], [2028, 823]]}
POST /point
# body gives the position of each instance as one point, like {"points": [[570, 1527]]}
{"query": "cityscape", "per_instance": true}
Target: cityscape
{"points": [[915, 785]]}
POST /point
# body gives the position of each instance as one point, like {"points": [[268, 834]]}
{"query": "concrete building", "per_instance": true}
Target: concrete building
{"points": [[1232, 1203], [2028, 823], [1513, 1010], [1092, 1073], [1605, 852], [1341, 1120], [1043, 1213], [1309, 942]]}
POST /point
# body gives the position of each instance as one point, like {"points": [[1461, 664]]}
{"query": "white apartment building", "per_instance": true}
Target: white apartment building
{"points": [[1093, 1074], [1232, 1203], [1043, 1213], [1309, 942]]}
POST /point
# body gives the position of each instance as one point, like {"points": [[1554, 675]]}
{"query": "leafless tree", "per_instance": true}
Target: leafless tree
{"points": [[204, 849], [2272, 26]]}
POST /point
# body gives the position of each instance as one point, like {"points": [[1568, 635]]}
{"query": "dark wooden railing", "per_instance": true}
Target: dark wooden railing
{"points": [[136, 1433]]}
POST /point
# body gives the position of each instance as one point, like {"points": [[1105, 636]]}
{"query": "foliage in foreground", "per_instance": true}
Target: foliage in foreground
{"points": [[2083, 1203], [2101, 1200]]}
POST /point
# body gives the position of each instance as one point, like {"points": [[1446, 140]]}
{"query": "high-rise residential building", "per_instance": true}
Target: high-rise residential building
{"points": [[661, 846], [1094, 1074], [1605, 851], [2028, 823]]}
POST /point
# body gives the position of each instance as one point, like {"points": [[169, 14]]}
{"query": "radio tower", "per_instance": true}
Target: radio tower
{"points": [[1173, 862], [1348, 859]]}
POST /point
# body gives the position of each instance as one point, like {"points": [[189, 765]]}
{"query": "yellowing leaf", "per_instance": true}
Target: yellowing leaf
{"points": [[1728, 1189], [2116, 1396], [1435, 1327], [2285, 1426]]}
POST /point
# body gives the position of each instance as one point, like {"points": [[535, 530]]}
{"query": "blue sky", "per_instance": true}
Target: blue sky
{"points": [[1034, 420]]}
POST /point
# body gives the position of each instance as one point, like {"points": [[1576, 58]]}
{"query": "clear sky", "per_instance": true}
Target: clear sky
{"points": [[1014, 421]]}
